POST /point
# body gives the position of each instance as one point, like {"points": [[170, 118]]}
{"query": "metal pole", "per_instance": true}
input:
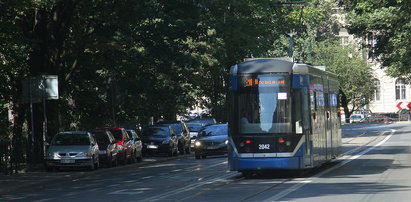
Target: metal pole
{"points": [[291, 35], [31, 113], [43, 87]]}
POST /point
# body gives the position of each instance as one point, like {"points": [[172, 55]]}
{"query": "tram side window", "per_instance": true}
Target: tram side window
{"points": [[296, 107], [313, 96]]}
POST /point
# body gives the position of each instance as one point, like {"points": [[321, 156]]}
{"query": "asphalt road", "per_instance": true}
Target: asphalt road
{"points": [[375, 166]]}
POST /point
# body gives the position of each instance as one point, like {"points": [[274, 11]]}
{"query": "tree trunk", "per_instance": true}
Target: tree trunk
{"points": [[344, 103], [49, 31]]}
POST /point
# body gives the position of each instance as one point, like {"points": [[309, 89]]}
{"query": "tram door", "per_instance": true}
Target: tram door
{"points": [[306, 116], [328, 126]]}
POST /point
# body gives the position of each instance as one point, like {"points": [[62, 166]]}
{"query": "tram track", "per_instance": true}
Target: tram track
{"points": [[217, 182], [298, 182]]}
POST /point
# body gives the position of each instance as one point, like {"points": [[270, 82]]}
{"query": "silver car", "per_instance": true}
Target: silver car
{"points": [[72, 149]]}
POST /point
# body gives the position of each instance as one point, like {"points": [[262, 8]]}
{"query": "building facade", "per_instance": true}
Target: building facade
{"points": [[391, 94]]}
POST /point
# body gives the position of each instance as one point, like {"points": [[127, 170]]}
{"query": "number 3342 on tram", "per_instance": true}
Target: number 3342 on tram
{"points": [[283, 115]]}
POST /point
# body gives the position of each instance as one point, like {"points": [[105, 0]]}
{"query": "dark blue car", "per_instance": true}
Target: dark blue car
{"points": [[159, 139], [211, 140]]}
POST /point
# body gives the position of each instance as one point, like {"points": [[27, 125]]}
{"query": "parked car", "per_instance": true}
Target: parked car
{"points": [[159, 139], [211, 140], [356, 118], [375, 119], [138, 145], [195, 125], [124, 144], [72, 149], [403, 115], [183, 135], [108, 150]]}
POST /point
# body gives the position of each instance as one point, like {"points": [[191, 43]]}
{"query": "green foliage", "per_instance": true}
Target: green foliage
{"points": [[354, 74], [389, 22], [120, 62]]}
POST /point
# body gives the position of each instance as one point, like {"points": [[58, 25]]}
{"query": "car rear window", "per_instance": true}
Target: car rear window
{"points": [[117, 134], [156, 131], [101, 137], [203, 121]]}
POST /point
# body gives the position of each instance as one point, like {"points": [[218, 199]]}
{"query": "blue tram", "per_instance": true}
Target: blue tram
{"points": [[283, 115]]}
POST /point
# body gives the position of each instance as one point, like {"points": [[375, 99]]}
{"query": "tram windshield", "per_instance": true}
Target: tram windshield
{"points": [[264, 104]]}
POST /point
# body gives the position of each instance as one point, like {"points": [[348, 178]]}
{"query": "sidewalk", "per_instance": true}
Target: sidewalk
{"points": [[39, 178]]}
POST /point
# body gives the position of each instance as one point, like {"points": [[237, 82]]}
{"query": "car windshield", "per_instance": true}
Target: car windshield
{"points": [[194, 127], [156, 131], [214, 130], [101, 137], [71, 139], [176, 127], [202, 121]]}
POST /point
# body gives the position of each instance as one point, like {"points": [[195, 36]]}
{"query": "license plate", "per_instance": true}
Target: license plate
{"points": [[67, 161], [152, 146]]}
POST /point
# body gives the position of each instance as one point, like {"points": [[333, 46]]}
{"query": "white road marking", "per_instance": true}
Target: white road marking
{"points": [[302, 182], [126, 191], [190, 187]]}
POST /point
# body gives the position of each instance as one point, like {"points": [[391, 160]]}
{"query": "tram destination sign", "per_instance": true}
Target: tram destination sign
{"points": [[263, 81]]}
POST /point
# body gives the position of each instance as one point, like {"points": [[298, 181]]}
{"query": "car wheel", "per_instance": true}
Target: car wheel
{"points": [[110, 161], [93, 164], [198, 156], [170, 153], [181, 149], [97, 164], [133, 157], [49, 168], [124, 159], [188, 149], [116, 161], [140, 157]]}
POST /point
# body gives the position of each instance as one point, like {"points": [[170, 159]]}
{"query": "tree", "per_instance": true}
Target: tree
{"points": [[388, 23], [354, 74]]}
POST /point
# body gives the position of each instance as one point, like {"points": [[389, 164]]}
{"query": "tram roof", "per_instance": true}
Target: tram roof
{"points": [[265, 65], [270, 65]]}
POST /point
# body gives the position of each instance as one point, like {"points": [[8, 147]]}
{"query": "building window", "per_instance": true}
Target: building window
{"points": [[372, 42], [400, 89], [377, 91], [344, 40]]}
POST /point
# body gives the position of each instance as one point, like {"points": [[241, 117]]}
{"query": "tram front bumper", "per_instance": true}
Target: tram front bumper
{"points": [[287, 163]]}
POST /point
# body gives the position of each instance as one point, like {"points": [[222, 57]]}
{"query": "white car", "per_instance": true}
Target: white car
{"points": [[356, 118]]}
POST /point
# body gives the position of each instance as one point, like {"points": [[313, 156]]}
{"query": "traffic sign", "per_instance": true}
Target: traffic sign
{"points": [[399, 106], [409, 105]]}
